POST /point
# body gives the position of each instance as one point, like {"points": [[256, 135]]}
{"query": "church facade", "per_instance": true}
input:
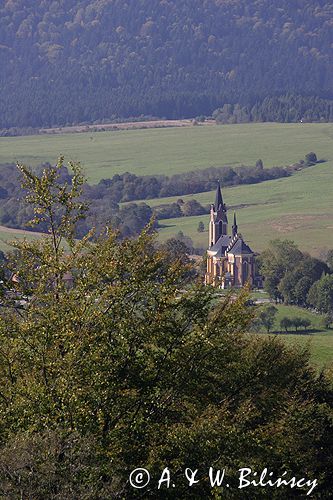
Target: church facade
{"points": [[230, 261]]}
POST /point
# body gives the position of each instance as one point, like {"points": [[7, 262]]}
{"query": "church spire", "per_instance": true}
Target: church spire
{"points": [[218, 198], [234, 226]]}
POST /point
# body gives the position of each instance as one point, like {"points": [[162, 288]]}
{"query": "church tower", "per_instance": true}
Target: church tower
{"points": [[218, 224]]}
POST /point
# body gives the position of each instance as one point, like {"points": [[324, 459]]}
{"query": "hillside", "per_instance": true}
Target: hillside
{"points": [[173, 150], [74, 61], [297, 207]]}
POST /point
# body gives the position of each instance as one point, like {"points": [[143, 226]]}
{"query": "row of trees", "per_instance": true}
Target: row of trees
{"points": [[267, 319], [103, 211], [297, 323], [104, 198], [127, 187], [121, 370]]}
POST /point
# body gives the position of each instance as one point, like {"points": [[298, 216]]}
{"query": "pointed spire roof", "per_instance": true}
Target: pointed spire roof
{"points": [[218, 198], [234, 226]]}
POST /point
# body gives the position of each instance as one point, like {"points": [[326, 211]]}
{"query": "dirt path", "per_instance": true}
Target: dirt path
{"points": [[122, 126], [10, 230]]}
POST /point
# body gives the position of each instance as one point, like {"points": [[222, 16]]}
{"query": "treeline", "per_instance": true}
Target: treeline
{"points": [[293, 277], [267, 319], [285, 109], [104, 198], [103, 211], [128, 187], [169, 59]]}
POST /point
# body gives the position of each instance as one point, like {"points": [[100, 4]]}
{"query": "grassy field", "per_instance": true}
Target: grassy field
{"points": [[299, 208], [173, 150], [319, 339], [8, 235]]}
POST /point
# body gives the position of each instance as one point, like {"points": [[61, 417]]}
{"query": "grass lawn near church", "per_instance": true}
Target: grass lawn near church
{"points": [[319, 339]]}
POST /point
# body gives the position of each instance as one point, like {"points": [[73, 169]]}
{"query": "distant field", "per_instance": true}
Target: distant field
{"points": [[7, 235], [320, 342], [173, 150], [299, 208]]}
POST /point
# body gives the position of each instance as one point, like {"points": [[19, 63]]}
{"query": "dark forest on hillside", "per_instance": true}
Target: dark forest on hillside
{"points": [[74, 61]]}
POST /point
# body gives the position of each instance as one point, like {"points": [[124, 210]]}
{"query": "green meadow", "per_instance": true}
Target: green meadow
{"points": [[299, 208], [13, 235], [173, 150], [319, 340]]}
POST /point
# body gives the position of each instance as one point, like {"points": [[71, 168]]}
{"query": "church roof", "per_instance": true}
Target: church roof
{"points": [[221, 245], [240, 247]]}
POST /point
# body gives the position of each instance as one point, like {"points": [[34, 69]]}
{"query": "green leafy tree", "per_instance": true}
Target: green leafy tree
{"points": [[276, 262], [320, 294], [201, 227], [311, 158], [285, 323], [267, 317]]}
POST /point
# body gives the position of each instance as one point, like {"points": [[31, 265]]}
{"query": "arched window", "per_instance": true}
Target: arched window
{"points": [[245, 271], [220, 228]]}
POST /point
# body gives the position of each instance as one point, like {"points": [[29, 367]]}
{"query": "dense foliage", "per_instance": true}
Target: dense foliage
{"points": [[122, 367], [103, 210], [294, 277], [75, 61]]}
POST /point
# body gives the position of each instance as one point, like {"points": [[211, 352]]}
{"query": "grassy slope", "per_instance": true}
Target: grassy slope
{"points": [[299, 208], [173, 150], [7, 236], [319, 341]]}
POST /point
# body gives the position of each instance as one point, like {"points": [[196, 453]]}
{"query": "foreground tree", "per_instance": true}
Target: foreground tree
{"points": [[121, 370]]}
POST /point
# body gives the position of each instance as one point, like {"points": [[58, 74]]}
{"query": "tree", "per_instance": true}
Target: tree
{"points": [[259, 164], [276, 262], [311, 158], [329, 259], [126, 367], [305, 323], [201, 227], [176, 250], [320, 294], [267, 317], [297, 323], [285, 323], [192, 207]]}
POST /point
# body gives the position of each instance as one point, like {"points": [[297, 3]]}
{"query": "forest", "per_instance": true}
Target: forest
{"points": [[65, 62]]}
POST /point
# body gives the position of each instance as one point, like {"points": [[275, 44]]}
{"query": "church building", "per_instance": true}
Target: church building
{"points": [[230, 261]]}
